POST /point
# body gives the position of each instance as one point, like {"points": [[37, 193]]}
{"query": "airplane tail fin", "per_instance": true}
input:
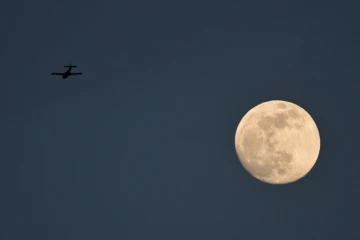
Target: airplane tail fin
{"points": [[70, 66]]}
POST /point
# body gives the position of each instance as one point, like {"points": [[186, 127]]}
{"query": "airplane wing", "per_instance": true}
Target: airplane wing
{"points": [[75, 73], [56, 73]]}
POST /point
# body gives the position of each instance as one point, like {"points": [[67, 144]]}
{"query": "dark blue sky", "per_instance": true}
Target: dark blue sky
{"points": [[142, 145]]}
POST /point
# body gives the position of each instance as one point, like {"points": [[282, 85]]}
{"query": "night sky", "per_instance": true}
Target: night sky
{"points": [[141, 146]]}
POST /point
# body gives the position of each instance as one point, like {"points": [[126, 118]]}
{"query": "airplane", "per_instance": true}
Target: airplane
{"points": [[68, 72]]}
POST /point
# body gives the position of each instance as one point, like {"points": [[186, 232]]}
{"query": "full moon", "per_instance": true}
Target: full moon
{"points": [[277, 142]]}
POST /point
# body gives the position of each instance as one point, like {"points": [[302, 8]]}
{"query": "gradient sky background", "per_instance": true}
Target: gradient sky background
{"points": [[142, 145]]}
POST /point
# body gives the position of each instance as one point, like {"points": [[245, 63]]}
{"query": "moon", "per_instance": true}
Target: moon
{"points": [[277, 142]]}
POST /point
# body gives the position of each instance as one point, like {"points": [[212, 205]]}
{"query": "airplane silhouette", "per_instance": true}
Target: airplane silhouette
{"points": [[68, 72]]}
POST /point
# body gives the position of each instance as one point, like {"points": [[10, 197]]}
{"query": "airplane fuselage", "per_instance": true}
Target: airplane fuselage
{"points": [[66, 74]]}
